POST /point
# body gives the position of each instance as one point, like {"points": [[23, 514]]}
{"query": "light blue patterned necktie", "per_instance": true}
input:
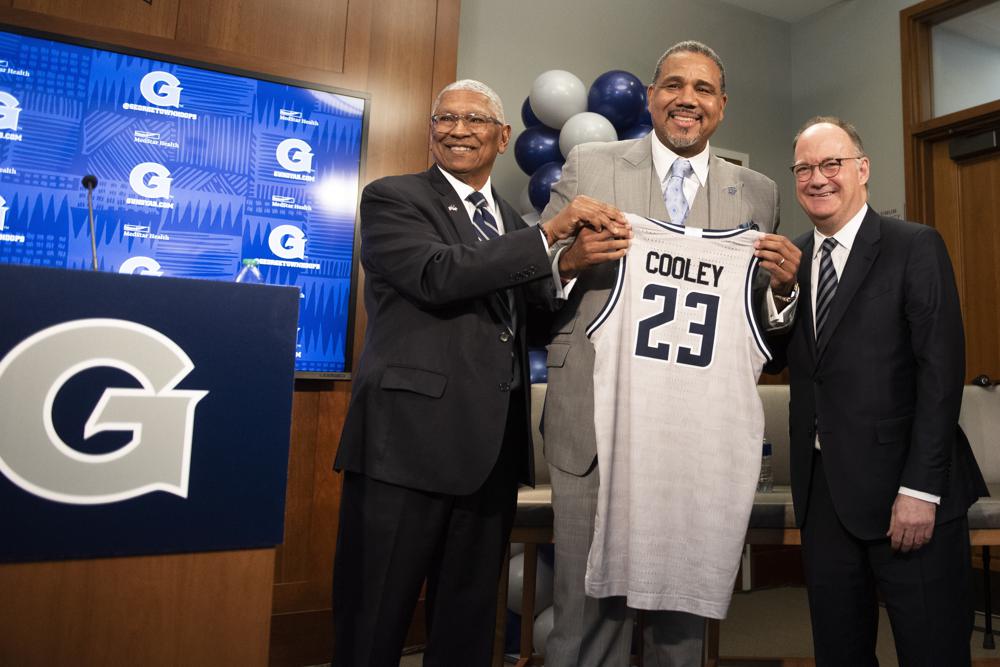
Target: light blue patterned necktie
{"points": [[673, 197]]}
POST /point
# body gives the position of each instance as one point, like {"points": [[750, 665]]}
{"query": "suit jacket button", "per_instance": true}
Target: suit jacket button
{"points": [[504, 386], [504, 336]]}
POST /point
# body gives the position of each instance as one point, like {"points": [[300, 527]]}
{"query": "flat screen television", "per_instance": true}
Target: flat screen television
{"points": [[198, 169]]}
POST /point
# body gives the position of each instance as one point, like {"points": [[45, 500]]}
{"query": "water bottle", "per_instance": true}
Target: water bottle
{"points": [[250, 274], [765, 483]]}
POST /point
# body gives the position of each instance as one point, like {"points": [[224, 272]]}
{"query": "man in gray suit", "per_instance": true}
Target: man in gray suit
{"points": [[686, 101]]}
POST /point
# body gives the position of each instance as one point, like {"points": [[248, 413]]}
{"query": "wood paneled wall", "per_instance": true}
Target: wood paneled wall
{"points": [[401, 52]]}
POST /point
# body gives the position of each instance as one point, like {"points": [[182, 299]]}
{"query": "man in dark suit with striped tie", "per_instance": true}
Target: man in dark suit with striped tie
{"points": [[880, 479], [437, 436]]}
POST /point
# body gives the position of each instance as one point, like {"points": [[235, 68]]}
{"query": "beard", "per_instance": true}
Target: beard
{"points": [[683, 140]]}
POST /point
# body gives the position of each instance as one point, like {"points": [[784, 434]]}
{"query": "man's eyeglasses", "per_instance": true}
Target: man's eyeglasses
{"points": [[445, 122], [829, 167]]}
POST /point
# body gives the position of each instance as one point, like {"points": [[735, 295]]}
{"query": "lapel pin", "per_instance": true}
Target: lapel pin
{"points": [[452, 207], [731, 189]]}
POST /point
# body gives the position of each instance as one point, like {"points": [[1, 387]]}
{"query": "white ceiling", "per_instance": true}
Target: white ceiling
{"points": [[789, 11]]}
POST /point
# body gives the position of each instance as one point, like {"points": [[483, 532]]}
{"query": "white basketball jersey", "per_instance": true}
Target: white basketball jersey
{"points": [[678, 419]]}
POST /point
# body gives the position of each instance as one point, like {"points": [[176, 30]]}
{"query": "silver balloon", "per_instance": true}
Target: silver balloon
{"points": [[515, 584], [531, 218], [557, 95], [585, 127], [542, 629]]}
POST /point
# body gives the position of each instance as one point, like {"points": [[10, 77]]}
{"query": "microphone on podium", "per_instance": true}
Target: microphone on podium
{"points": [[90, 182]]}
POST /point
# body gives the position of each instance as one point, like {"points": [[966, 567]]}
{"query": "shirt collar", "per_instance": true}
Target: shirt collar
{"points": [[663, 159], [463, 190], [845, 236]]}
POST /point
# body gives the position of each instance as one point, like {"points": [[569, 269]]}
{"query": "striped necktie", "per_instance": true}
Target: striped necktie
{"points": [[482, 219], [827, 284], [487, 230]]}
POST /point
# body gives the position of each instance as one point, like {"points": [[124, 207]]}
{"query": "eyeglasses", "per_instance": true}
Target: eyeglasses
{"points": [[829, 167], [445, 122]]}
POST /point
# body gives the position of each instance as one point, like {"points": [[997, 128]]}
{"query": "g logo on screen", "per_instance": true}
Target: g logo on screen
{"points": [[159, 417], [287, 242], [10, 111], [150, 180], [141, 265], [295, 155], [161, 88]]}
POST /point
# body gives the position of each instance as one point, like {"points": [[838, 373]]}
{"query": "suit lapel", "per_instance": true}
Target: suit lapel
{"points": [[636, 180], [512, 221], [805, 309], [452, 208], [859, 262]]}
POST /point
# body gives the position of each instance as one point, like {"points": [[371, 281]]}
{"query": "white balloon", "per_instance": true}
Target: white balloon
{"points": [[515, 584], [542, 629], [524, 204], [557, 95], [585, 127]]}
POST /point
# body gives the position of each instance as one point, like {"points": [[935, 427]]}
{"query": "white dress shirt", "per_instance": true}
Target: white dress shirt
{"points": [[663, 160]]}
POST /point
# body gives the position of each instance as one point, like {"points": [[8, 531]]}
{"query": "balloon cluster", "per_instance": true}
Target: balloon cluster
{"points": [[560, 113]]}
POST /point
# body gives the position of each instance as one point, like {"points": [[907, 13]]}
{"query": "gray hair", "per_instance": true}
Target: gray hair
{"points": [[692, 46], [851, 131], [493, 100]]}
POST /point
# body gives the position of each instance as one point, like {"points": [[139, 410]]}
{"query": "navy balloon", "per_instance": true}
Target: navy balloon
{"points": [[528, 116], [644, 117], [540, 185], [635, 132], [618, 96], [536, 146]]}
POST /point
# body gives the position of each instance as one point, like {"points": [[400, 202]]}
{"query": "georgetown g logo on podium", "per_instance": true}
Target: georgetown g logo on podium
{"points": [[159, 417]]}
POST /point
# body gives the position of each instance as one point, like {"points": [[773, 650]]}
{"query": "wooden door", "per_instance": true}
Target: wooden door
{"points": [[952, 165], [966, 202]]}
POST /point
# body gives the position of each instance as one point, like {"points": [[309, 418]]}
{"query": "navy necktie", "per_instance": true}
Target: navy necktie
{"points": [[827, 284], [487, 230], [482, 219]]}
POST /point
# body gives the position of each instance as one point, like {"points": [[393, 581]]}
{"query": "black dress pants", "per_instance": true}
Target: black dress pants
{"points": [[392, 538], [926, 592]]}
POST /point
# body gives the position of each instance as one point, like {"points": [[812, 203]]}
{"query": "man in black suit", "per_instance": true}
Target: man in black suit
{"points": [[880, 481], [437, 435]]}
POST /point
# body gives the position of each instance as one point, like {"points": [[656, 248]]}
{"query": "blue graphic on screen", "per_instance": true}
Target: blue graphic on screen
{"points": [[197, 170]]}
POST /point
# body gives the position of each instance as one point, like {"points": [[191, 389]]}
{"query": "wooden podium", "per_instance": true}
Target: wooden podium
{"points": [[211, 609], [177, 568]]}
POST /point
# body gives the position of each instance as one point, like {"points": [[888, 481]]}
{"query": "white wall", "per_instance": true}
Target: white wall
{"points": [[845, 62], [507, 44]]}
